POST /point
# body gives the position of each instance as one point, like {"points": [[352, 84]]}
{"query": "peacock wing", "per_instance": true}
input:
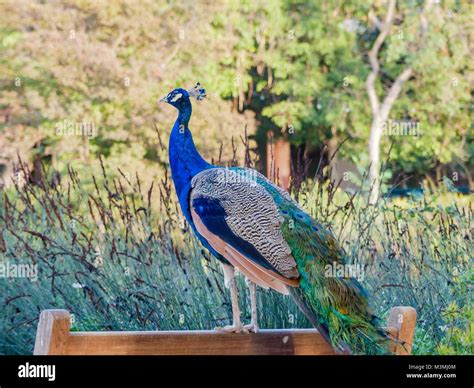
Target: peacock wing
{"points": [[241, 221]]}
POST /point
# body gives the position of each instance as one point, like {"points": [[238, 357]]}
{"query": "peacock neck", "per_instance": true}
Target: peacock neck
{"points": [[185, 160]]}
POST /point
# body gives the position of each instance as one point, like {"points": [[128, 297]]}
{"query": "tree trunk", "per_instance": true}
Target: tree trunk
{"points": [[381, 111], [374, 158], [279, 161], [332, 146]]}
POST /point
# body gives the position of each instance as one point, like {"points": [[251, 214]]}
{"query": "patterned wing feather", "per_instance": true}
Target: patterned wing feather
{"points": [[240, 212]]}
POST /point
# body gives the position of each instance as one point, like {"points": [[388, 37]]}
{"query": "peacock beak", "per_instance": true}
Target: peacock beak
{"points": [[163, 99]]}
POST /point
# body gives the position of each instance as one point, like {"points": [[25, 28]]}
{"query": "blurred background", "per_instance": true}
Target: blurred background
{"points": [[361, 109], [82, 78]]}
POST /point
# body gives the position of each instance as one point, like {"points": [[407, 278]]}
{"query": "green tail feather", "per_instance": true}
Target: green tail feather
{"points": [[337, 306], [347, 334]]}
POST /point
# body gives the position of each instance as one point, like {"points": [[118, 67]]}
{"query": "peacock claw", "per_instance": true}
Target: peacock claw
{"points": [[232, 329], [252, 328]]}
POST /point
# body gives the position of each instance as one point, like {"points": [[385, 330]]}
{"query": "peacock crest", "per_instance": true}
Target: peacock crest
{"points": [[197, 92]]}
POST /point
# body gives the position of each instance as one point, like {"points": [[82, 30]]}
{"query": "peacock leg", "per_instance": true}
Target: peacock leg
{"points": [[253, 326], [231, 284]]}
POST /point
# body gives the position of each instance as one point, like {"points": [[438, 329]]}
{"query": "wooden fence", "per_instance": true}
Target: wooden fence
{"points": [[55, 338]]}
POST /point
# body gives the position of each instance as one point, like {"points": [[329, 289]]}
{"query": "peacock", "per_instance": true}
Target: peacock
{"points": [[252, 225]]}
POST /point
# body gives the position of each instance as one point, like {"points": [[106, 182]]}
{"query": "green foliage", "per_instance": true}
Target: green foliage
{"points": [[438, 97], [459, 320], [117, 254], [107, 64], [307, 63], [297, 68]]}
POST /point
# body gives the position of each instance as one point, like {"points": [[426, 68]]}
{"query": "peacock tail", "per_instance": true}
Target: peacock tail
{"points": [[337, 306]]}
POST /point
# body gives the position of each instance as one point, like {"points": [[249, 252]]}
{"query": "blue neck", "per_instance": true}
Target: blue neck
{"points": [[185, 160]]}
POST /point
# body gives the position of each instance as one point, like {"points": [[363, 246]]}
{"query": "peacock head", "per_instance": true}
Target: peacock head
{"points": [[180, 97]]}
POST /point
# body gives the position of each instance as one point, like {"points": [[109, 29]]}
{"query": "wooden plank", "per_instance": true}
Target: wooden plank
{"points": [[53, 332], [53, 337], [403, 319], [266, 342]]}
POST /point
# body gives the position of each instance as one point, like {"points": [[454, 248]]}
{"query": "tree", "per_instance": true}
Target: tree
{"points": [[292, 71], [294, 65], [70, 65], [381, 108]]}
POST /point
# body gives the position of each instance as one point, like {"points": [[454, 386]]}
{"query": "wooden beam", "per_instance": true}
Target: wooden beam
{"points": [[403, 319], [269, 342], [53, 332], [53, 337]]}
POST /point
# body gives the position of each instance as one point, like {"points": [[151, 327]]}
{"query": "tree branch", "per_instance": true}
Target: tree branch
{"points": [[374, 19], [373, 57], [405, 75], [393, 93], [380, 113]]}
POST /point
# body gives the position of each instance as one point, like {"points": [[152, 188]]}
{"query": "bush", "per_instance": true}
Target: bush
{"points": [[119, 256]]}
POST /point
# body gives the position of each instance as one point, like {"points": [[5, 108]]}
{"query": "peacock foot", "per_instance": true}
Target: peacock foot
{"points": [[252, 327], [232, 329]]}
